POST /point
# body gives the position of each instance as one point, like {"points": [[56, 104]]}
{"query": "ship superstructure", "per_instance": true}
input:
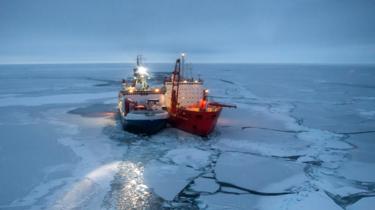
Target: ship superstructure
{"points": [[187, 103]]}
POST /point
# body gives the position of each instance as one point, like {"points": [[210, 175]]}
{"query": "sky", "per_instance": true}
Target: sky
{"points": [[223, 31]]}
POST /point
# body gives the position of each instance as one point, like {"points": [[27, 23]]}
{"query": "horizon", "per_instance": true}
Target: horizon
{"points": [[231, 63]]}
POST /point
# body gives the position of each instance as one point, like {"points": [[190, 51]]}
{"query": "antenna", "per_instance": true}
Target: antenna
{"points": [[139, 60], [189, 67], [183, 55], [175, 86]]}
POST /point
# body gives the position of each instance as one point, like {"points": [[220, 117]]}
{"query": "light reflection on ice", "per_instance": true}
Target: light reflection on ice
{"points": [[134, 191], [102, 172], [128, 189], [87, 190]]}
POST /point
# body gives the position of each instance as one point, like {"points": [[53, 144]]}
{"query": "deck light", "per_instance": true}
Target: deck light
{"points": [[142, 70]]}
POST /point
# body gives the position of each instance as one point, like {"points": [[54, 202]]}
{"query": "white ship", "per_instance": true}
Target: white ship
{"points": [[142, 108]]}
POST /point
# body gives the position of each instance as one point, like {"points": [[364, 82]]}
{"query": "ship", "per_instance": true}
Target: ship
{"points": [[142, 108], [187, 102]]}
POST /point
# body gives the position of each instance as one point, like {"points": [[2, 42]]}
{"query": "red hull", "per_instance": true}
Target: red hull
{"points": [[196, 122]]}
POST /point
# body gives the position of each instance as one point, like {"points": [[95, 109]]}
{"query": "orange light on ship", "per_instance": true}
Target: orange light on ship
{"points": [[130, 90], [157, 90], [202, 104]]}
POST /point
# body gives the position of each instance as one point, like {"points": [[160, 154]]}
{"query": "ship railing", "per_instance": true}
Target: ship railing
{"points": [[142, 92], [185, 81]]}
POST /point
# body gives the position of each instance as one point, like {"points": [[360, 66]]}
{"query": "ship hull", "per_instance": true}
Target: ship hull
{"points": [[142, 121], [144, 126], [200, 123]]}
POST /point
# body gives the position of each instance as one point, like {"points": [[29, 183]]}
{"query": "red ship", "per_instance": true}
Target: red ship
{"points": [[187, 103]]}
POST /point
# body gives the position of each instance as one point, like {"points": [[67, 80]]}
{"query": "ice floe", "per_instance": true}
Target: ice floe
{"points": [[191, 157], [361, 165], [167, 180], [205, 185], [259, 174], [267, 143], [221, 201], [306, 201]]}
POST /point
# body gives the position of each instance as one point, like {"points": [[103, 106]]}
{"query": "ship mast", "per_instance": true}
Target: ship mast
{"points": [[139, 60], [141, 75], [182, 65], [175, 86]]}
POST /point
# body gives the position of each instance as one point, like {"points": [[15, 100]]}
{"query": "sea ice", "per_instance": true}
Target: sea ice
{"points": [[222, 201], [361, 166], [205, 185], [311, 114], [363, 204], [167, 180], [305, 201], [53, 99], [192, 157], [263, 142], [261, 174]]}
